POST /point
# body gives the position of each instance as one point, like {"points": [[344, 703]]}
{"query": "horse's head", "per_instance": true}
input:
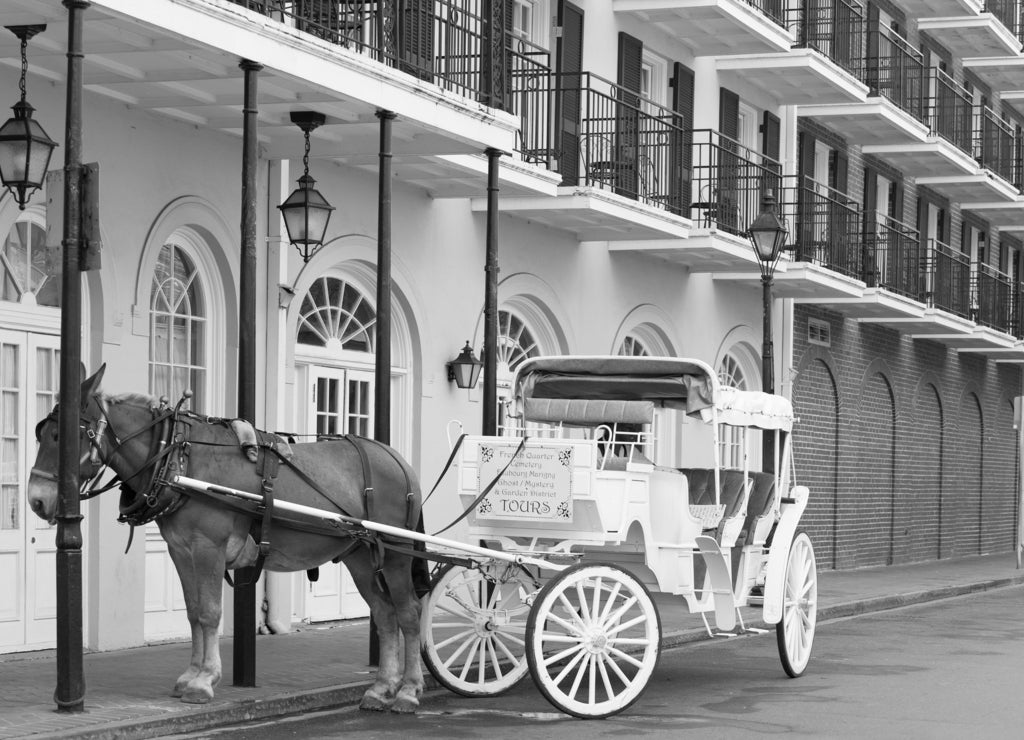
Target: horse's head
{"points": [[42, 482]]}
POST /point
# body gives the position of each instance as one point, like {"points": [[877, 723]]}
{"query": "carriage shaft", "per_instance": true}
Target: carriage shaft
{"points": [[215, 489]]}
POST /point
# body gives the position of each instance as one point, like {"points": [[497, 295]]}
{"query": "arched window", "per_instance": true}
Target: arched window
{"points": [[633, 346], [178, 329], [730, 373], [515, 343], [336, 315], [25, 276]]}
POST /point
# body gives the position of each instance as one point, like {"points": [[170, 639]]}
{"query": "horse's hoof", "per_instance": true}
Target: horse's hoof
{"points": [[373, 703], [177, 691], [405, 705], [196, 696]]}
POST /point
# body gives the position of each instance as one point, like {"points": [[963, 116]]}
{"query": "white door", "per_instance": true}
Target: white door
{"points": [[340, 402], [29, 372]]}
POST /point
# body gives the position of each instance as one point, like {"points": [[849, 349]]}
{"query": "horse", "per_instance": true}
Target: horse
{"points": [[146, 442]]}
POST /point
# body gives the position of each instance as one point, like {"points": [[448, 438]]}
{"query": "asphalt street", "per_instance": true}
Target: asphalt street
{"points": [[946, 669]]}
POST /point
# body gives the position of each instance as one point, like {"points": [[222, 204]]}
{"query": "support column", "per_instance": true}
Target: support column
{"points": [[490, 358], [767, 372], [244, 653], [382, 329], [70, 693]]}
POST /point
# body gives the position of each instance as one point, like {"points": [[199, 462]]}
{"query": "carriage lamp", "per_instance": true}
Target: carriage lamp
{"points": [[768, 234], [25, 148], [465, 369], [306, 212]]}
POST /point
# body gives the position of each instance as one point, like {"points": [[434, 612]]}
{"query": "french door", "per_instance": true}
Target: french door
{"points": [[340, 402], [29, 372]]}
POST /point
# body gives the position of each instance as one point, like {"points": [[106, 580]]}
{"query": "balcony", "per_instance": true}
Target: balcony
{"points": [[969, 33], [825, 66], [895, 110], [623, 160], [1002, 74], [715, 27]]}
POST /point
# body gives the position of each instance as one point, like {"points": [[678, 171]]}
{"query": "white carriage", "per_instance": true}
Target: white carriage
{"points": [[579, 525]]}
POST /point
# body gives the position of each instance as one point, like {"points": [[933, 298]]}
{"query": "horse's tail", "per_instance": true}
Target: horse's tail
{"points": [[420, 568]]}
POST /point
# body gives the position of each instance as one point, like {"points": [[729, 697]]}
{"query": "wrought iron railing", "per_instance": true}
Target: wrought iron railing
{"points": [[1017, 311], [604, 135], [1007, 12], [992, 298], [728, 182], [950, 110], [895, 70], [532, 100], [836, 28], [774, 10], [825, 225], [993, 143], [891, 256], [948, 279], [452, 43]]}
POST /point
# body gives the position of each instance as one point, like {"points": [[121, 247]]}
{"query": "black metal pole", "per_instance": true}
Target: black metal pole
{"points": [[767, 371], [244, 652], [70, 693], [490, 358], [382, 330]]}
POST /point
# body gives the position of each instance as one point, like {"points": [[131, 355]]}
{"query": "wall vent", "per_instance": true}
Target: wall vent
{"points": [[819, 332]]}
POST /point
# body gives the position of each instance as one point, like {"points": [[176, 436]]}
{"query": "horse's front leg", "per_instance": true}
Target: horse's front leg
{"points": [[183, 566]]}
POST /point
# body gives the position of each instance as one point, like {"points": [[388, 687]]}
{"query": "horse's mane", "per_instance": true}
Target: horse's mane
{"points": [[132, 398]]}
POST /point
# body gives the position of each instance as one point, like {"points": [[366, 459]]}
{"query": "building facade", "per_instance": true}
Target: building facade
{"points": [[638, 139]]}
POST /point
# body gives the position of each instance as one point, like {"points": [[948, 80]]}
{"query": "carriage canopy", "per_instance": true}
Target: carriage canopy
{"points": [[671, 382]]}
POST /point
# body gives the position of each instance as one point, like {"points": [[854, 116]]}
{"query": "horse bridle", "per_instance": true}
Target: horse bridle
{"points": [[94, 430]]}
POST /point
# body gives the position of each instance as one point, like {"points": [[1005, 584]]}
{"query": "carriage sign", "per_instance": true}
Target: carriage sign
{"points": [[537, 486]]}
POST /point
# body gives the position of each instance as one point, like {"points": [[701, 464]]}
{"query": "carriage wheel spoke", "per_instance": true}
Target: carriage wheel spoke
{"points": [[509, 655], [618, 671], [578, 679], [581, 599], [580, 654], [604, 675], [572, 629], [459, 636], [626, 606], [595, 606], [610, 602], [562, 654], [470, 659], [625, 656], [626, 625]]}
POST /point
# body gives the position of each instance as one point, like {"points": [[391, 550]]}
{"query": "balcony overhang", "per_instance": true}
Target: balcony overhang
{"points": [[706, 250], [1013, 98], [594, 214], [977, 340], [874, 305], [180, 59], [928, 323], [970, 36], [984, 186], [1015, 356], [711, 27], [933, 158], [806, 282], [465, 175], [999, 73], [873, 122], [924, 8], [796, 77], [1004, 215]]}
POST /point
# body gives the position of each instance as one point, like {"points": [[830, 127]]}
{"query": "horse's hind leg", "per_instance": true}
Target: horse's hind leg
{"points": [[382, 693], [398, 573]]}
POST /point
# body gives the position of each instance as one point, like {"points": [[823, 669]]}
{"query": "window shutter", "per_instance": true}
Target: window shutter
{"points": [[729, 113], [771, 136], [681, 143], [805, 197], [896, 200], [627, 115], [570, 63], [838, 171], [805, 155], [416, 38]]}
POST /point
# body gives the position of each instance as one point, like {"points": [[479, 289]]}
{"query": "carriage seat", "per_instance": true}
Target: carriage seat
{"points": [[701, 484], [759, 505], [588, 411]]}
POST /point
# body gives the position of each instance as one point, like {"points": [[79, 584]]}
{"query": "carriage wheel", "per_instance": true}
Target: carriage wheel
{"points": [[795, 632], [593, 640], [474, 625]]}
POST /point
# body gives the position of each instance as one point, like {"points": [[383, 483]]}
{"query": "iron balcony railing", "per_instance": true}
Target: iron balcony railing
{"points": [[896, 71], [891, 256], [825, 226], [532, 100], [604, 135], [836, 28], [1007, 12], [950, 110], [947, 279], [452, 43], [992, 298], [728, 182], [774, 10], [1017, 311], [994, 143]]}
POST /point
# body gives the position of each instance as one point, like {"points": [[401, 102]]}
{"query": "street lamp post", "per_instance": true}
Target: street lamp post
{"points": [[768, 236]]}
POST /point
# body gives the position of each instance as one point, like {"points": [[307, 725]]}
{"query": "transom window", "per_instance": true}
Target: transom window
{"points": [[633, 347], [177, 343], [336, 315], [25, 276], [515, 342]]}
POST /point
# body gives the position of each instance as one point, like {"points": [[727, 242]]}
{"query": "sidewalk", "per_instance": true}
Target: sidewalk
{"points": [[314, 668]]}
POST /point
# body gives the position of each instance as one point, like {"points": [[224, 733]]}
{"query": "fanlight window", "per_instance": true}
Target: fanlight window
{"points": [[24, 274], [178, 326], [633, 347], [515, 342], [730, 373], [336, 315]]}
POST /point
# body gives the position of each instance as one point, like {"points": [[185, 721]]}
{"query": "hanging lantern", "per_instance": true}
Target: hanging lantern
{"points": [[25, 148], [306, 212]]}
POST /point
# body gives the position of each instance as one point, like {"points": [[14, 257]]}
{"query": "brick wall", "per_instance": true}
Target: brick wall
{"points": [[906, 445]]}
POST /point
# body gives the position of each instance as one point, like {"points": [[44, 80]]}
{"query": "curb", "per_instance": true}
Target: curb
{"points": [[334, 697]]}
